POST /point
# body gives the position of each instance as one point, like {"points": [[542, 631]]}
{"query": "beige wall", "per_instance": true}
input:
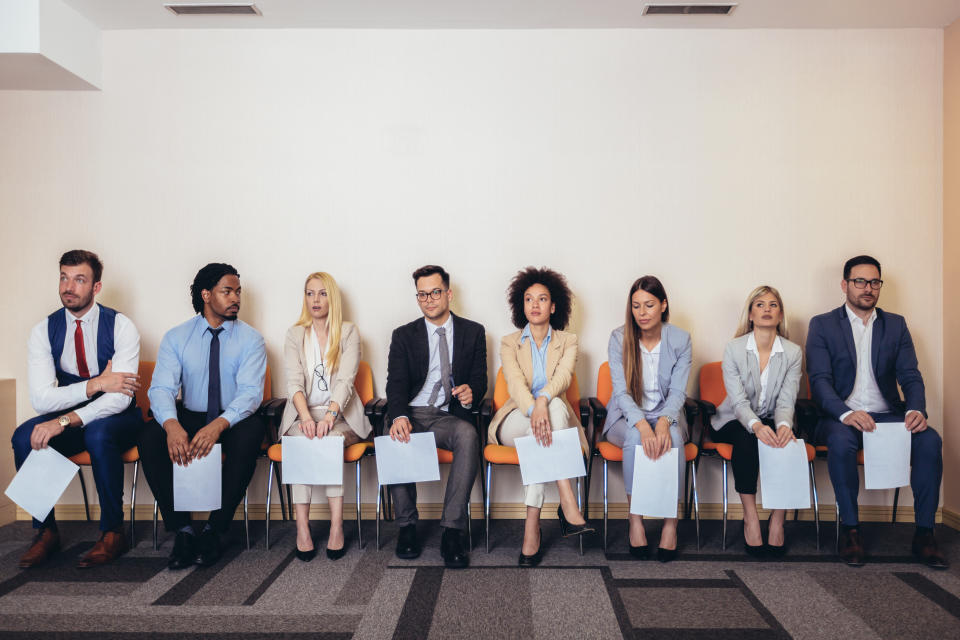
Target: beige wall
{"points": [[716, 160], [951, 266]]}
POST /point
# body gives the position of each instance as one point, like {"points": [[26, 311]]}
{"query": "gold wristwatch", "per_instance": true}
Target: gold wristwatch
{"points": [[64, 421]]}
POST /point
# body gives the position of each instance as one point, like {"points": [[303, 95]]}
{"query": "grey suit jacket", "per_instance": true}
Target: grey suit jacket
{"points": [[741, 378], [676, 356]]}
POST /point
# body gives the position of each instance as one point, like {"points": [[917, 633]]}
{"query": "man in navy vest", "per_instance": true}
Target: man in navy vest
{"points": [[857, 355], [82, 367]]}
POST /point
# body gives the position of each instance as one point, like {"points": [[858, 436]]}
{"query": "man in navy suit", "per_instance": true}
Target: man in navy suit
{"points": [[856, 356]]}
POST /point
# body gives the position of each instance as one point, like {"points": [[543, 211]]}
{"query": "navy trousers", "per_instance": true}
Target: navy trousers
{"points": [[105, 439], [926, 462]]}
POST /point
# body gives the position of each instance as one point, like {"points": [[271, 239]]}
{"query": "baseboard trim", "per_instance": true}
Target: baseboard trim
{"points": [[508, 511]]}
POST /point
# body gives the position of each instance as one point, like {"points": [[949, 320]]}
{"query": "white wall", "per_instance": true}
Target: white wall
{"points": [[716, 160]]}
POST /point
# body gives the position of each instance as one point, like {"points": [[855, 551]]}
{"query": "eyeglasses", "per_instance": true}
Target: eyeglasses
{"points": [[433, 295], [861, 283], [319, 372]]}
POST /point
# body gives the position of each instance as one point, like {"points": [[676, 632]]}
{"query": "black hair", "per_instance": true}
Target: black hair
{"points": [[555, 283], [80, 256], [206, 279], [429, 270], [858, 260]]}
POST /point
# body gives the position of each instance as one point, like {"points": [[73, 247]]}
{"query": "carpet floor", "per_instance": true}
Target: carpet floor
{"points": [[264, 593]]}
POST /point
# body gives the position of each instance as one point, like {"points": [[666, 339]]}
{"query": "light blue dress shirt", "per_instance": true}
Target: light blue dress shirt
{"points": [[539, 357], [183, 364]]}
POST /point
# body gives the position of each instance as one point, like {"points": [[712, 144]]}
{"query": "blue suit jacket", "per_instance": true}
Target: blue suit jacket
{"points": [[832, 362]]}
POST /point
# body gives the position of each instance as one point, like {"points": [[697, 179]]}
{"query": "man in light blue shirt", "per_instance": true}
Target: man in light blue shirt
{"points": [[217, 364]]}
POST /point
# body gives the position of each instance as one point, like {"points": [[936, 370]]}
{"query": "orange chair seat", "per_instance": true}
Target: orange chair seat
{"points": [[83, 458], [500, 454], [822, 448], [351, 454], [722, 449], [613, 453], [811, 451], [690, 451], [444, 456]]}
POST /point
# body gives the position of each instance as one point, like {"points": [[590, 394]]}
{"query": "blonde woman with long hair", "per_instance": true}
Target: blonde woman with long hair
{"points": [[761, 373], [650, 362], [321, 355]]}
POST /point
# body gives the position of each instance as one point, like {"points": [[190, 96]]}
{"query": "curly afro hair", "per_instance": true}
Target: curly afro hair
{"points": [[559, 294]]}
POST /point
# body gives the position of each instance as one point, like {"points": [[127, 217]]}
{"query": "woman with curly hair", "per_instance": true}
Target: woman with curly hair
{"points": [[538, 364], [649, 365]]}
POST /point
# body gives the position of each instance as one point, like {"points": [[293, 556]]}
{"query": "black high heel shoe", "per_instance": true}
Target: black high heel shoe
{"points": [[567, 529], [306, 556], [640, 552], [532, 560], [756, 551]]}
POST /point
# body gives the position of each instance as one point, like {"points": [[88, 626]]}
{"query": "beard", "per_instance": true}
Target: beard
{"points": [[78, 303], [862, 302]]}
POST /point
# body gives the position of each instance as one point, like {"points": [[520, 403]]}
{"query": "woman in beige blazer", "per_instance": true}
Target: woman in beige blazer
{"points": [[321, 355], [538, 363], [761, 374]]}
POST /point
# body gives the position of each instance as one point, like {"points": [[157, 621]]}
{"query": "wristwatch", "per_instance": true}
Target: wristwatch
{"points": [[335, 414], [64, 421]]}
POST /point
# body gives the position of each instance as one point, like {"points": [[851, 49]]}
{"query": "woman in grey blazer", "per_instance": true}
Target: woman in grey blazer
{"points": [[321, 355], [761, 373], [649, 366]]}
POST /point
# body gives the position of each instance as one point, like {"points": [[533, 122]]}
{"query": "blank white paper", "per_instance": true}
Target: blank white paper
{"points": [[197, 486], [562, 459], [312, 460], [886, 456], [40, 482], [784, 476], [655, 487], [403, 462]]}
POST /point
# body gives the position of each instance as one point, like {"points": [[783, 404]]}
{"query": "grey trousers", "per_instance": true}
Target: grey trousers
{"points": [[458, 436]]}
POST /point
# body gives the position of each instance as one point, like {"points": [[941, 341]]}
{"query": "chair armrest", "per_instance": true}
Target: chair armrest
{"points": [[584, 412], [272, 411], [707, 409], [370, 408], [599, 417], [807, 416], [486, 410], [379, 416]]}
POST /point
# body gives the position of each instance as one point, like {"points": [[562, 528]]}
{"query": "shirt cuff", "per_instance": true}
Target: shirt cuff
{"points": [[546, 395], [843, 416], [467, 406], [84, 414], [784, 423], [909, 411], [398, 417], [530, 411], [230, 415], [751, 423]]}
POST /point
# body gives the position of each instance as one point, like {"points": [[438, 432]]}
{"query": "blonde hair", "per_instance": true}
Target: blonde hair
{"points": [[746, 325], [334, 315]]}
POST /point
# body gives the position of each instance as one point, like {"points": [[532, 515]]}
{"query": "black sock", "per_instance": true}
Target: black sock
{"points": [[921, 530], [848, 529]]}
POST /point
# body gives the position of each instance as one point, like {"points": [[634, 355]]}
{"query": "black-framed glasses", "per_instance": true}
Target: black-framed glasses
{"points": [[433, 295], [861, 283], [319, 374]]}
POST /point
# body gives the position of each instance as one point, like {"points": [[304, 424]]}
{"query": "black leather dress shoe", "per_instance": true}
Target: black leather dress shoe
{"points": [[567, 529], [640, 552], [926, 551], [851, 549], [184, 551], [408, 547], [451, 548], [208, 548]]}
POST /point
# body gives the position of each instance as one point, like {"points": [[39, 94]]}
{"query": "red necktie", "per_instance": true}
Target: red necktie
{"points": [[81, 352]]}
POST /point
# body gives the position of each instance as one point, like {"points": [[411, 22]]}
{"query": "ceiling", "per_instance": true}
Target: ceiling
{"points": [[525, 14]]}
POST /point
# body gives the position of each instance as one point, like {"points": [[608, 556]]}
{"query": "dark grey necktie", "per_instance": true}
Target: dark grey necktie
{"points": [[444, 381], [213, 379]]}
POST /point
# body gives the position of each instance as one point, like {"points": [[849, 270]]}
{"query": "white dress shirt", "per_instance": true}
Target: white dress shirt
{"points": [[45, 394], [318, 397], [764, 376], [652, 396], [433, 371]]}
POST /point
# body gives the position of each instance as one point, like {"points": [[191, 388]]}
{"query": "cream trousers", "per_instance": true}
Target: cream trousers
{"points": [[303, 493]]}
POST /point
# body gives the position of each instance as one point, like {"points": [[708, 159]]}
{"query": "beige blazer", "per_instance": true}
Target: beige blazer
{"points": [[299, 375], [517, 366]]}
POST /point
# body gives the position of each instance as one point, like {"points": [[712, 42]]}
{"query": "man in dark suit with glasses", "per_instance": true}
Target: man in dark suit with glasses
{"points": [[437, 370]]}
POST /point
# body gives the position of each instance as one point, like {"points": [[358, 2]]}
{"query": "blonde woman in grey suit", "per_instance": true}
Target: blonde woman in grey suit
{"points": [[761, 373], [321, 355]]}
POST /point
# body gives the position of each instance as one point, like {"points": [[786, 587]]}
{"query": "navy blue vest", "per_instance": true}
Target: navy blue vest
{"points": [[57, 331]]}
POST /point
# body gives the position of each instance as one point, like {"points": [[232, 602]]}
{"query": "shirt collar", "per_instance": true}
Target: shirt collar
{"points": [[854, 318], [654, 351], [752, 344], [527, 335], [432, 328], [89, 317], [227, 326]]}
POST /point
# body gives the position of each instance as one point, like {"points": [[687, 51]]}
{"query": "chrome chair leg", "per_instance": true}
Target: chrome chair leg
{"points": [[606, 507], [836, 506], [133, 504], [580, 506], [246, 517], [696, 500], [283, 507], [896, 499], [269, 495], [816, 504], [486, 505], [359, 528], [469, 525], [723, 545], [156, 541], [83, 489], [379, 502]]}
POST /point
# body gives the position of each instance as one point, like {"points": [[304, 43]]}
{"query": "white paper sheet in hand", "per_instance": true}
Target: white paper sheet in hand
{"points": [[197, 486], [312, 460], [655, 485], [784, 476], [562, 459], [42, 478], [403, 462], [886, 456]]}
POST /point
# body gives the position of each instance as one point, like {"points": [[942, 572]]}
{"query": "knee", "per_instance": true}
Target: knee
{"points": [[466, 437], [96, 437], [21, 436], [927, 443], [631, 438], [840, 441], [558, 414]]}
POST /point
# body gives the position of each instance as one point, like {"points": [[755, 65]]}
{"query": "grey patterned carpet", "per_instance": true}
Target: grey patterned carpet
{"points": [[368, 594]]}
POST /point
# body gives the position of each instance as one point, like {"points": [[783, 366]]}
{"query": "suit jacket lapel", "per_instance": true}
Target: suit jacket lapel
{"points": [[875, 340], [775, 365], [553, 355], [667, 358], [421, 350], [847, 332], [753, 366], [459, 344]]}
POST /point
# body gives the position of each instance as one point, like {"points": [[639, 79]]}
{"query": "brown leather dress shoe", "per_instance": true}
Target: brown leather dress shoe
{"points": [[110, 546], [851, 549], [926, 551], [44, 545]]}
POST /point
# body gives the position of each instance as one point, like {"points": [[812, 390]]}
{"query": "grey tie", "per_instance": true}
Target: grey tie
{"points": [[444, 381]]}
